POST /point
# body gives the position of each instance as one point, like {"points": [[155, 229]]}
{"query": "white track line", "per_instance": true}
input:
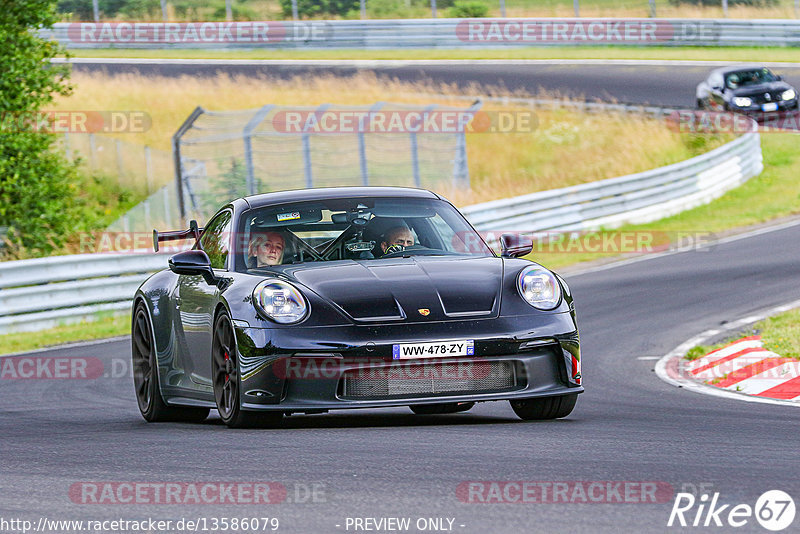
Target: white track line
{"points": [[699, 387], [372, 63]]}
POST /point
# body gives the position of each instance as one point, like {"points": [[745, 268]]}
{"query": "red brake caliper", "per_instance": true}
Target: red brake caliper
{"points": [[227, 376]]}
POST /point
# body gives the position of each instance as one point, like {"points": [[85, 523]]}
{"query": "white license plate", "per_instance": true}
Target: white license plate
{"points": [[436, 349], [772, 106]]}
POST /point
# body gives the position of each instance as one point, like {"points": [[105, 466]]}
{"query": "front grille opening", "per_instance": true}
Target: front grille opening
{"points": [[430, 379]]}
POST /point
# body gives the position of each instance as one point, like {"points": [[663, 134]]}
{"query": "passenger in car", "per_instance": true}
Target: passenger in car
{"points": [[266, 248]]}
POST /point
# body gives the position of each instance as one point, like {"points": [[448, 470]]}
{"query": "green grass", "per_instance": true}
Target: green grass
{"points": [[779, 333], [773, 194], [105, 326], [774, 54]]}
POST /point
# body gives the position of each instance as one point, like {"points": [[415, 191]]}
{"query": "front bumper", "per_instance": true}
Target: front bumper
{"points": [[311, 369]]}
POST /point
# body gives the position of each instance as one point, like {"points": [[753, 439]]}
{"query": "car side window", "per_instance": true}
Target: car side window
{"points": [[215, 239]]}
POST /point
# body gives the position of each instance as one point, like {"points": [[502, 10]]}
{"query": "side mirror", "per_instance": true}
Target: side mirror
{"points": [[515, 245], [193, 263]]}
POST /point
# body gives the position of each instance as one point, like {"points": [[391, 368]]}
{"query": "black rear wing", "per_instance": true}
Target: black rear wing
{"points": [[177, 235]]}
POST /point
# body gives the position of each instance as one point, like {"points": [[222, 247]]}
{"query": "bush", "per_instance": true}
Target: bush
{"points": [[38, 187], [469, 10], [239, 12], [82, 9], [718, 3], [320, 8]]}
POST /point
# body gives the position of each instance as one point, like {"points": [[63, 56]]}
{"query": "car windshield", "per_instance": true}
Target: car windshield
{"points": [[355, 229], [748, 77]]}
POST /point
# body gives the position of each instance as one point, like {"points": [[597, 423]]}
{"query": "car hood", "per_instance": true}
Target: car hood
{"points": [[416, 289], [755, 90]]}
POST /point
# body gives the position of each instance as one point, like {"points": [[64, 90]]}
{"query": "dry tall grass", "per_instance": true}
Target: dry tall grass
{"points": [[565, 148]]}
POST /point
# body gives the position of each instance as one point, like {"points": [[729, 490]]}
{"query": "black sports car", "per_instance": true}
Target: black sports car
{"points": [[312, 300], [749, 89]]}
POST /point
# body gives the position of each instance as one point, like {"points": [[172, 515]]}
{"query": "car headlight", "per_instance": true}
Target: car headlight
{"points": [[742, 101], [539, 287], [788, 94], [280, 301]]}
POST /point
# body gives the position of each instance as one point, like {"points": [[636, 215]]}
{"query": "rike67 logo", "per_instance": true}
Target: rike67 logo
{"points": [[774, 510]]}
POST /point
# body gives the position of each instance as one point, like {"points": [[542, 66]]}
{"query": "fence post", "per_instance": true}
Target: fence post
{"points": [[120, 167], [146, 204], [295, 16], [164, 10], [433, 8], [460, 167], [503, 8], [306, 138], [577, 7], [228, 10], [362, 146], [92, 150], [96, 10], [725, 8], [653, 8], [415, 150], [176, 156], [248, 146], [363, 9], [148, 166], [167, 207]]}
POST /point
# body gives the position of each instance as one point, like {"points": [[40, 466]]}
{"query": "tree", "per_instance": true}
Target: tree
{"points": [[38, 187]]}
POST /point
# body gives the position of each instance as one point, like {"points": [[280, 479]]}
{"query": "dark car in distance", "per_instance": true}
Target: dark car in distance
{"points": [[748, 89], [313, 300]]}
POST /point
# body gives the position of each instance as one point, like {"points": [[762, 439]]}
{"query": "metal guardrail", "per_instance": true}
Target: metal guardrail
{"points": [[45, 292], [429, 33], [636, 198]]}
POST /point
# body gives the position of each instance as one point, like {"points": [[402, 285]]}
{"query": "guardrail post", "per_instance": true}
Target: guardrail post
{"points": [[164, 10], [503, 8], [653, 8], [725, 8], [433, 8], [576, 6], [295, 16], [96, 10], [247, 134], [363, 9], [176, 156]]}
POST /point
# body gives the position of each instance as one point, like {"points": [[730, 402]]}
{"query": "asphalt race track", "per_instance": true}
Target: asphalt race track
{"points": [[628, 426], [630, 83]]}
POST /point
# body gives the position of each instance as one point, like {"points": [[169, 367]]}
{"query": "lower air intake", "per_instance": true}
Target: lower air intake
{"points": [[428, 379]]}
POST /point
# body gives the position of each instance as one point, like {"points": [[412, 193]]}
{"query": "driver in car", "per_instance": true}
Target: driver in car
{"points": [[397, 239], [266, 248]]}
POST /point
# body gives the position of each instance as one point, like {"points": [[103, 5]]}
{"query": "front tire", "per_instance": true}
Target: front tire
{"points": [[544, 409], [225, 369], [443, 408], [145, 376]]}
